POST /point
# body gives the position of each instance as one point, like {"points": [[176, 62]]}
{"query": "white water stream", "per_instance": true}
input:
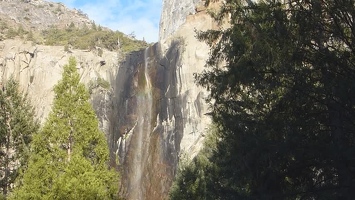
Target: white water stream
{"points": [[141, 134]]}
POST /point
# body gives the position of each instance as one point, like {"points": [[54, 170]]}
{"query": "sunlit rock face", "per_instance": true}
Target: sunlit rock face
{"points": [[38, 68], [192, 59], [153, 112], [174, 13], [160, 112]]}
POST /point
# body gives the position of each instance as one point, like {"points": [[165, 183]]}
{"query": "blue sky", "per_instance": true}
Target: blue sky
{"points": [[140, 17]]}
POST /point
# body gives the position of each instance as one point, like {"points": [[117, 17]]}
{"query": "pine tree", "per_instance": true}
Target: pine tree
{"points": [[194, 178], [17, 125], [69, 157], [281, 78]]}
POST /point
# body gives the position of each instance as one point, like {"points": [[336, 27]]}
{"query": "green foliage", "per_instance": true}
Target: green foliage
{"points": [[69, 157], [85, 38], [66, 48], [21, 32], [30, 36], [194, 178], [190, 183], [17, 125], [3, 25], [280, 81], [11, 33], [99, 82], [100, 52]]}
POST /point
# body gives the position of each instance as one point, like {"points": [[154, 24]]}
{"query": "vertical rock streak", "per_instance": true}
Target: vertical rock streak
{"points": [[152, 113], [141, 138]]}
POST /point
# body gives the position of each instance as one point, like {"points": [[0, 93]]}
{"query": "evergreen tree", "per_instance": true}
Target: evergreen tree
{"points": [[194, 179], [69, 157], [17, 125], [282, 83]]}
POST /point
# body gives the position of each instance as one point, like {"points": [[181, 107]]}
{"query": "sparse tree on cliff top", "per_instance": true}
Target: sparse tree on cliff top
{"points": [[17, 125], [69, 157]]}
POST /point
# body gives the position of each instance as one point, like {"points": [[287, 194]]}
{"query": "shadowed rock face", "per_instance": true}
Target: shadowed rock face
{"points": [[149, 123], [158, 111], [153, 111]]}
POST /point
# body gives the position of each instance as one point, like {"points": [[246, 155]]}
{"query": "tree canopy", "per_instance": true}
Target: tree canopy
{"points": [[17, 125], [69, 157], [281, 82]]}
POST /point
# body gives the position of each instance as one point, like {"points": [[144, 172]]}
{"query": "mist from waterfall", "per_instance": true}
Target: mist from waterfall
{"points": [[149, 122], [141, 133]]}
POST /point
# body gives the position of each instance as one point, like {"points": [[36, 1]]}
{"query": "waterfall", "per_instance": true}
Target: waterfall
{"points": [[150, 122], [141, 133]]}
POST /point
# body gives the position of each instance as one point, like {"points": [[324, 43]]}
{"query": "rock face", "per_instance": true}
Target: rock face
{"points": [[192, 58], [160, 111], [38, 68], [153, 112], [174, 13], [40, 14]]}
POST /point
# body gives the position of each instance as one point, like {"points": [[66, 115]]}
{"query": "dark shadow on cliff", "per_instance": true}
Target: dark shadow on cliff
{"points": [[162, 141]]}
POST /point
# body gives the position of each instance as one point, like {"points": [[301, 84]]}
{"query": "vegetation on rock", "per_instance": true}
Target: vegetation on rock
{"points": [[99, 82], [51, 23], [91, 38], [78, 38]]}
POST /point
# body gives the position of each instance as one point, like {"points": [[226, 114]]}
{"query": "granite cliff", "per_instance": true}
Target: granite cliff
{"points": [[162, 112], [152, 113]]}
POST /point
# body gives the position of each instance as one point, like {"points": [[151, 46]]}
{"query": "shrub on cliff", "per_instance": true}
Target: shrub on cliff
{"points": [[86, 38]]}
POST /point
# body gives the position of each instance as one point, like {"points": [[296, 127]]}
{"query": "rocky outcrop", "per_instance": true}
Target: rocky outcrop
{"points": [[40, 15], [193, 56], [174, 14], [38, 68]]}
